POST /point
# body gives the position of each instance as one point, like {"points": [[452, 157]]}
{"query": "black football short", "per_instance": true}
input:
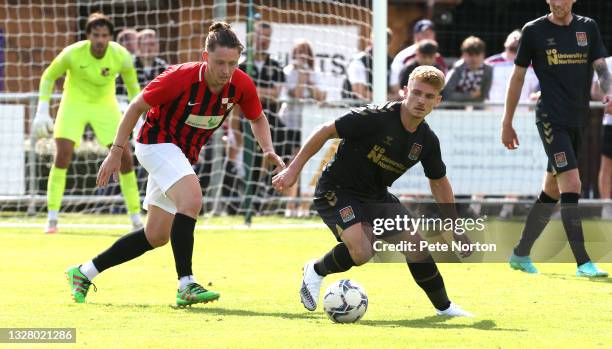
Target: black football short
{"points": [[606, 141], [340, 210], [561, 144]]}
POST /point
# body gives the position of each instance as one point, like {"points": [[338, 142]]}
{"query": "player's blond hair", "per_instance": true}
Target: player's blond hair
{"points": [[429, 75]]}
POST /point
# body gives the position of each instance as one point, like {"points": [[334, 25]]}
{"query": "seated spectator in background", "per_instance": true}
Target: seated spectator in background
{"points": [[503, 64], [127, 38], [422, 30], [426, 54], [302, 83], [148, 63], [358, 81], [470, 78]]}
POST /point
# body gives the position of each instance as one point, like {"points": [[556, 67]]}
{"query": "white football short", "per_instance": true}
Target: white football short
{"points": [[166, 165]]}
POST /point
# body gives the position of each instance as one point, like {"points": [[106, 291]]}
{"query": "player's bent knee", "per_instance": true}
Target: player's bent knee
{"points": [[157, 238], [158, 241], [190, 204]]}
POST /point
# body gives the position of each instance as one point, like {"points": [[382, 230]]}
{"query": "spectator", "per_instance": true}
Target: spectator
{"points": [[426, 54], [148, 63], [605, 169], [268, 76], [470, 79], [503, 64], [358, 81], [128, 38], [303, 82], [423, 29]]}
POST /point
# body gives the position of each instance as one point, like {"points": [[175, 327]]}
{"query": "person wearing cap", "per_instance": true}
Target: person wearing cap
{"points": [[423, 29], [502, 64]]}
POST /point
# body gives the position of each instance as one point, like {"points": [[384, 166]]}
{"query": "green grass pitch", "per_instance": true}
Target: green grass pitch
{"points": [[258, 273]]}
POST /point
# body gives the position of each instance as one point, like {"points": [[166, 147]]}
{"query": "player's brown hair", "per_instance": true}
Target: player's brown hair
{"points": [[98, 19], [221, 34], [429, 75], [473, 45]]}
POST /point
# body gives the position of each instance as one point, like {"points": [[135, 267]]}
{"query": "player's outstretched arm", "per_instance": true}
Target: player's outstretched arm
{"points": [[261, 131], [605, 82], [111, 164], [287, 177], [513, 94]]}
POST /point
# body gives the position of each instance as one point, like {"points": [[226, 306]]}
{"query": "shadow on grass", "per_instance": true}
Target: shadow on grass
{"points": [[437, 322], [570, 277], [124, 305], [241, 312]]}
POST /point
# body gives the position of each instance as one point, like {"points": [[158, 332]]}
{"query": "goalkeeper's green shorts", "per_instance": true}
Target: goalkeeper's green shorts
{"points": [[73, 117]]}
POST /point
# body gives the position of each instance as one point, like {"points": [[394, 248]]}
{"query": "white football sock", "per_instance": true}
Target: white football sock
{"points": [[186, 280], [52, 215], [89, 270]]}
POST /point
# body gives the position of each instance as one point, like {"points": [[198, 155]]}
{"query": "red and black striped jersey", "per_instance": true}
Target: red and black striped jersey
{"points": [[186, 113]]}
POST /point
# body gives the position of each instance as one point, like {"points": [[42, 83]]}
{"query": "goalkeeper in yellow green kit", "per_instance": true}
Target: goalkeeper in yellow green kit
{"points": [[91, 67]]}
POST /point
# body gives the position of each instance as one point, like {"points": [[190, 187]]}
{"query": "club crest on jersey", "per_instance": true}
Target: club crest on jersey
{"points": [[581, 38], [347, 214], [561, 159], [105, 71], [228, 103], [206, 122], [415, 151]]}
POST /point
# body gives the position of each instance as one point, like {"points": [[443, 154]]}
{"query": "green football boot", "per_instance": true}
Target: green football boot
{"points": [[194, 293], [79, 284]]}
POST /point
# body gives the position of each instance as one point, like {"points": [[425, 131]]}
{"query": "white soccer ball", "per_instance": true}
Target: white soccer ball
{"points": [[345, 301]]}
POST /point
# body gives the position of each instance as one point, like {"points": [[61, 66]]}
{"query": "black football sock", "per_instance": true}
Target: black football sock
{"points": [[537, 219], [181, 237], [572, 222], [126, 248], [337, 260], [427, 276]]}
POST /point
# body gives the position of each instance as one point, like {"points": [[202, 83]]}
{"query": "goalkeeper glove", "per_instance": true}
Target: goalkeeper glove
{"points": [[42, 124]]}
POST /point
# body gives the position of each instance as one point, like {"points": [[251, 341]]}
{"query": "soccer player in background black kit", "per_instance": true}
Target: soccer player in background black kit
{"points": [[563, 48], [379, 144]]}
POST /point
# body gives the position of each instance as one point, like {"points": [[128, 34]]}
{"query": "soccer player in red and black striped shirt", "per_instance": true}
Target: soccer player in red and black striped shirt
{"points": [[184, 105]]}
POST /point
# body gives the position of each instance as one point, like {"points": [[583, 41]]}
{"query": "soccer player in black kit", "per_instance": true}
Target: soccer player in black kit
{"points": [[563, 48], [379, 144]]}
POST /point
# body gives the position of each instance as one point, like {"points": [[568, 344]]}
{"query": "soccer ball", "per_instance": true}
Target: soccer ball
{"points": [[345, 301]]}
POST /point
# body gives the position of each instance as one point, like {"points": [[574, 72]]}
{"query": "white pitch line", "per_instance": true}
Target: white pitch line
{"points": [[198, 227]]}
